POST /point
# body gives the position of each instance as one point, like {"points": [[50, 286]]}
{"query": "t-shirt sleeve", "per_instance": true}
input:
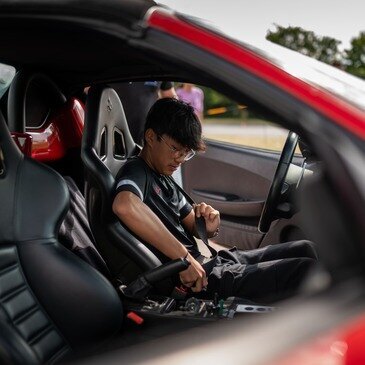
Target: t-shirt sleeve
{"points": [[184, 206], [132, 177]]}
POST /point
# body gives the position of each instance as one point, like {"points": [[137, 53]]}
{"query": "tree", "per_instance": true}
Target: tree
{"points": [[355, 56], [307, 42], [219, 106]]}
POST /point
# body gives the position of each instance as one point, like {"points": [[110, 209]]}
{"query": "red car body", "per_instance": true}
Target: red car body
{"points": [[324, 328]]}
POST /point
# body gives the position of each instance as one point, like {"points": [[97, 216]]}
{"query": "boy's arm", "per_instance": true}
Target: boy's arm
{"points": [[142, 221]]}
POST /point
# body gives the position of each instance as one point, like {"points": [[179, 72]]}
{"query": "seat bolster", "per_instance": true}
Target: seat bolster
{"points": [[81, 302], [28, 334], [33, 183], [24, 88], [133, 247], [14, 350]]}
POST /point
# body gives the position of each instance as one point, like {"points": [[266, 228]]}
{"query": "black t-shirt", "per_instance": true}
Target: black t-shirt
{"points": [[161, 195]]}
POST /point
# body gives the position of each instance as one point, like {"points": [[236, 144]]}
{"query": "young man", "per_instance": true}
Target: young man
{"points": [[152, 207]]}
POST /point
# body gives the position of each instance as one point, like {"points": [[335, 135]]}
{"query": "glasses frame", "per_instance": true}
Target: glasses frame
{"points": [[178, 152]]}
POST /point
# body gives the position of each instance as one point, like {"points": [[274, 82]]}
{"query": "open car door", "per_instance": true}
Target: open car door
{"points": [[234, 176]]}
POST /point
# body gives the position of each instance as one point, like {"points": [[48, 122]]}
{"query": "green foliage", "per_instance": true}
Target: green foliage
{"points": [[214, 100], [324, 49], [307, 42], [355, 56]]}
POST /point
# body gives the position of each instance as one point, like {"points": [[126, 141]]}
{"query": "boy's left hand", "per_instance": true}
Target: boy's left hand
{"points": [[211, 216]]}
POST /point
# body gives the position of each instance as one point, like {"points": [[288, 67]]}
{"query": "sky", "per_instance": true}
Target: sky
{"points": [[250, 20]]}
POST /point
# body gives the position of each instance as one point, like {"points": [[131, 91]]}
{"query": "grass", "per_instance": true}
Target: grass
{"points": [[275, 143], [235, 121], [265, 141]]}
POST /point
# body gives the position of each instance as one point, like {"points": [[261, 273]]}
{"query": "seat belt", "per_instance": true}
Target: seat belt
{"points": [[200, 228]]}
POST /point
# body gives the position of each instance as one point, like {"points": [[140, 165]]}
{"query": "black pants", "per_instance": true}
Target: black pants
{"points": [[263, 275]]}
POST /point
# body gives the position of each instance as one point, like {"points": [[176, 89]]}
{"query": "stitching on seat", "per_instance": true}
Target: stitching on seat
{"points": [[14, 292], [9, 268], [42, 333], [59, 354], [41, 308], [23, 317]]}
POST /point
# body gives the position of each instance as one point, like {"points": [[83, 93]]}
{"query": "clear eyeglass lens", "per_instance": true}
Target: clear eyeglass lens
{"points": [[178, 153]]}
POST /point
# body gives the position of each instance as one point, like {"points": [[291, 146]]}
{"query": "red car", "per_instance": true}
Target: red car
{"points": [[54, 306]]}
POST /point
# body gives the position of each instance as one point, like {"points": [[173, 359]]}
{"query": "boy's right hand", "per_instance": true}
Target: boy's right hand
{"points": [[194, 277]]}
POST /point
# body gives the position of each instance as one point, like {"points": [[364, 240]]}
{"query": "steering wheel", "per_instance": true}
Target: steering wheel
{"points": [[272, 201]]}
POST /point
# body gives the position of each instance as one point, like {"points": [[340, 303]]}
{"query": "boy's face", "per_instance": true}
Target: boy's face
{"points": [[166, 154]]}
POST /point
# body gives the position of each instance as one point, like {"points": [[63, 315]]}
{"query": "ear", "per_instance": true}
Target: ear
{"points": [[150, 136]]}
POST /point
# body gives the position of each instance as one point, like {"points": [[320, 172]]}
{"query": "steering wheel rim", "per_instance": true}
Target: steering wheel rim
{"points": [[272, 200]]}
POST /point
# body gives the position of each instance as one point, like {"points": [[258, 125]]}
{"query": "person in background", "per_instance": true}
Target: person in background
{"points": [[194, 96], [137, 99]]}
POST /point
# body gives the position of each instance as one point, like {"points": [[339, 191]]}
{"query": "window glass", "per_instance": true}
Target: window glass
{"points": [[228, 121], [7, 74]]}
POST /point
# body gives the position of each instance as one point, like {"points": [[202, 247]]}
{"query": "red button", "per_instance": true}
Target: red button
{"points": [[135, 318]]}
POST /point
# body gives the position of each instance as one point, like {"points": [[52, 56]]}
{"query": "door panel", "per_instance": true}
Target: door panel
{"points": [[234, 180], [230, 204]]}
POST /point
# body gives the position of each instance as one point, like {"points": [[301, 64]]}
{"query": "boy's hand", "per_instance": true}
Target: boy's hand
{"points": [[211, 216], [194, 276]]}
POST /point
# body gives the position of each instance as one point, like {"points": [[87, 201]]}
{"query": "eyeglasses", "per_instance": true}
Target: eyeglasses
{"points": [[177, 153]]}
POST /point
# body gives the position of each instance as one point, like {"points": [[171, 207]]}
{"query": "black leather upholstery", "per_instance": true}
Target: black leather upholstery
{"points": [[51, 302], [32, 334], [106, 145], [31, 97]]}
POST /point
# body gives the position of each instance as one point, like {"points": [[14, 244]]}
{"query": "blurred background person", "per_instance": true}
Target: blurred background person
{"points": [[194, 96]]}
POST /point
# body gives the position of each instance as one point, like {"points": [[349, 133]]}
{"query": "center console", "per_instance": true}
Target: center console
{"points": [[194, 308], [137, 299]]}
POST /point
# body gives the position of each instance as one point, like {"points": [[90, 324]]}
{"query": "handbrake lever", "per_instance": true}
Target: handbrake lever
{"points": [[140, 287], [166, 270]]}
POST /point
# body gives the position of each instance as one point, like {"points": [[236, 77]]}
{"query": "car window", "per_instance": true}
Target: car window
{"points": [[7, 74], [227, 121]]}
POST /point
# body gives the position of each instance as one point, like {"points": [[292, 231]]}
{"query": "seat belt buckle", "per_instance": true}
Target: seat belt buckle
{"points": [[179, 292]]}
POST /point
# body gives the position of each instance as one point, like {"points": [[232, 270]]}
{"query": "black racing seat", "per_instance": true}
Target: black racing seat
{"points": [[33, 98], [51, 302], [106, 145]]}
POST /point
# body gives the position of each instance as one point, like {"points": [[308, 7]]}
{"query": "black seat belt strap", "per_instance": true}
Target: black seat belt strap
{"points": [[199, 221]]}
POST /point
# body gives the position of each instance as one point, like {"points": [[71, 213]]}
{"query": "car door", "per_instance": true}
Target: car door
{"points": [[234, 176]]}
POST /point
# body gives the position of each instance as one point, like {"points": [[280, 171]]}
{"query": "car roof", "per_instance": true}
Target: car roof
{"points": [[127, 11], [79, 36], [87, 43], [82, 39]]}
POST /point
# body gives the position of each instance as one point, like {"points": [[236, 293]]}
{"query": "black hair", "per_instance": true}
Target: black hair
{"points": [[177, 120]]}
